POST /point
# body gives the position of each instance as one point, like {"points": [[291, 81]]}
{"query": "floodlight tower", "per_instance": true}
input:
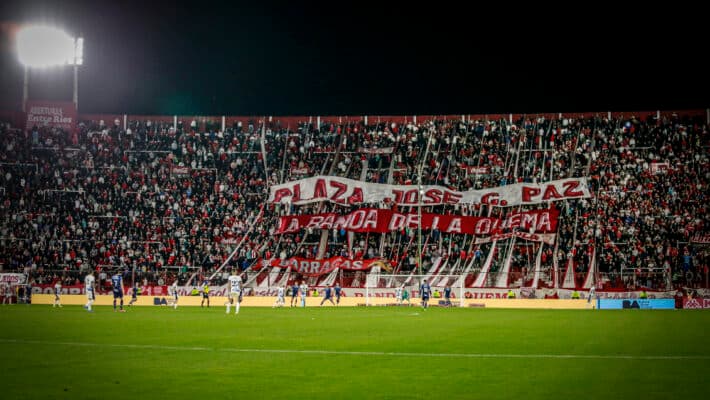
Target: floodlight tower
{"points": [[44, 46]]}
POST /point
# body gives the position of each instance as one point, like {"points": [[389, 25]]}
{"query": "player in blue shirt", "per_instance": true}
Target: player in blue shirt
{"points": [[337, 294], [134, 293], [425, 291], [327, 295], [447, 295], [117, 286], [294, 293], [28, 293]]}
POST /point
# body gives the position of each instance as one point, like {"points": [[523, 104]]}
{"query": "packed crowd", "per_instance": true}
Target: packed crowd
{"points": [[159, 202]]}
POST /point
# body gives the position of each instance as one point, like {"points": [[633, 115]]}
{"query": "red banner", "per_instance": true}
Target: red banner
{"points": [[309, 267], [696, 303], [383, 220], [51, 113]]}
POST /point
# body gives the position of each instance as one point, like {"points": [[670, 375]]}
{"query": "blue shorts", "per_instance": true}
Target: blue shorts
{"points": [[117, 295], [425, 297]]}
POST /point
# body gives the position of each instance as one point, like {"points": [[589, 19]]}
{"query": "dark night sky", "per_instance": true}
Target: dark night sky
{"points": [[290, 59]]}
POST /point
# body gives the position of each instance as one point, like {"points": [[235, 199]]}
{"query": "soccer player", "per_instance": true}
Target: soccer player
{"points": [[205, 294], [134, 293], [294, 293], [6, 292], [337, 294], [398, 295], [89, 282], [304, 293], [327, 295], [405, 296], [117, 287], [280, 301], [235, 292], [57, 294], [173, 291], [425, 290], [447, 295], [590, 297], [28, 293]]}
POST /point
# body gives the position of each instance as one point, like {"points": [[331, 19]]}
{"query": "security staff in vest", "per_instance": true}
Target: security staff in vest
{"points": [[205, 294]]}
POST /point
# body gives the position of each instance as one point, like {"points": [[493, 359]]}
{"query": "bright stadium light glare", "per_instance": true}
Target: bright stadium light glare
{"points": [[44, 46]]}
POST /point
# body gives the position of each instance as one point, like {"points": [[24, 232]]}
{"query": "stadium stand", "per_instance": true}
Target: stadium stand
{"points": [[173, 200]]}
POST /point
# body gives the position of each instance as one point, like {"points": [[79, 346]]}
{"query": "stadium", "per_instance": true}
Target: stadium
{"points": [[484, 255]]}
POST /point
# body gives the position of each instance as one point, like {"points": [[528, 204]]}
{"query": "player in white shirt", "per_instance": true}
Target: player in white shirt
{"points": [[280, 301], [6, 292], [304, 292], [173, 291], [398, 295], [235, 292], [57, 294], [89, 282]]}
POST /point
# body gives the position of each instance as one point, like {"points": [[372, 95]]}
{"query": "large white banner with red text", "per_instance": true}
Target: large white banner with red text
{"points": [[349, 191], [384, 220], [56, 114]]}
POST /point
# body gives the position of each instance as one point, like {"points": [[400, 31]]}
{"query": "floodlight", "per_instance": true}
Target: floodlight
{"points": [[44, 46]]}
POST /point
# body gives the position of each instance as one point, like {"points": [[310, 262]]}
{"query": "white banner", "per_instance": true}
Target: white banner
{"points": [[349, 191], [659, 168], [548, 238], [375, 150], [13, 279]]}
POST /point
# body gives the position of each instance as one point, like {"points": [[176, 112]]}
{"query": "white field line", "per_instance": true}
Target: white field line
{"points": [[362, 353]]}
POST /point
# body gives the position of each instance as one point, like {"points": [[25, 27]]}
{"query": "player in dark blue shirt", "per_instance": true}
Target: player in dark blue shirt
{"points": [[425, 291], [447, 295], [28, 293], [117, 286], [294, 293], [327, 295], [337, 294], [134, 294]]}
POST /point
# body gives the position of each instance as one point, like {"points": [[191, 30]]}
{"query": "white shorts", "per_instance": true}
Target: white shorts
{"points": [[90, 295]]}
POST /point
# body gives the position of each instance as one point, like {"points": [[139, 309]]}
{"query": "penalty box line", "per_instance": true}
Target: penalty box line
{"points": [[362, 353]]}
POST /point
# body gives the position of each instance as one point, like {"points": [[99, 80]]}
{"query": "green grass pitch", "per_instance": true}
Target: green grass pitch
{"points": [[351, 353]]}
